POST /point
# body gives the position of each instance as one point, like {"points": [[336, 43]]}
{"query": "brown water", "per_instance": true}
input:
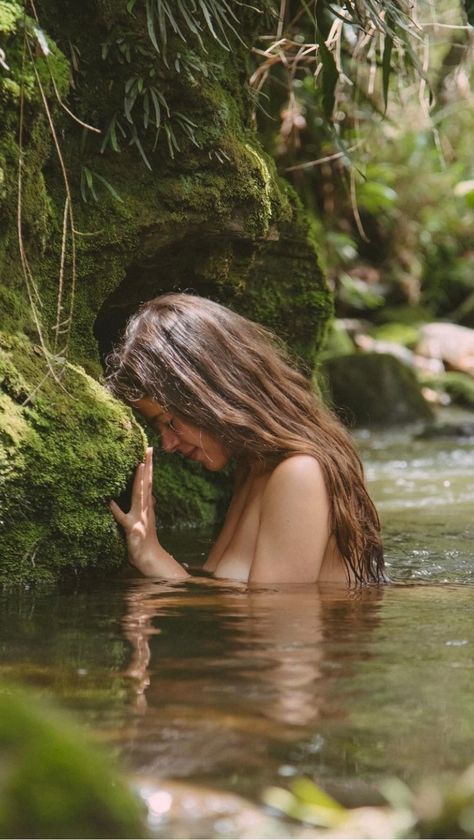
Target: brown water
{"points": [[209, 686]]}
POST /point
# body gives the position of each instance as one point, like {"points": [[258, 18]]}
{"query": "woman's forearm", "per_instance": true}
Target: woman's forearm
{"points": [[158, 563]]}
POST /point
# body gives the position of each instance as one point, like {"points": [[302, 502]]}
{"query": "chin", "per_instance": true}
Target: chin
{"points": [[215, 466]]}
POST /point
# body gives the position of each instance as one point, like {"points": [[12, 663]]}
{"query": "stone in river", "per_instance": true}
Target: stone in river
{"points": [[375, 389], [451, 343]]}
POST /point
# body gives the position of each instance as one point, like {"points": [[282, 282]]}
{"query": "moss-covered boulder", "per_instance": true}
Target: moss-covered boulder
{"points": [[53, 783], [65, 448], [375, 389], [168, 188]]}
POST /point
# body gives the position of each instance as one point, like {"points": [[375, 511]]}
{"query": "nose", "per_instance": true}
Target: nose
{"points": [[169, 440]]}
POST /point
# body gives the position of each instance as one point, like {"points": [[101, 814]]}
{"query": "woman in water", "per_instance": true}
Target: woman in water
{"points": [[218, 387]]}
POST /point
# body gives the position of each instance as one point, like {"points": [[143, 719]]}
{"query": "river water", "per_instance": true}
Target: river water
{"points": [[208, 692]]}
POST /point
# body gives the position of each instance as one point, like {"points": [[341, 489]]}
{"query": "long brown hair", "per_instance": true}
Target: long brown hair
{"points": [[232, 377]]}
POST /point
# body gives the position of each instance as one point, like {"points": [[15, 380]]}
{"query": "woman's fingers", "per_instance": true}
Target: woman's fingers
{"points": [[141, 494], [118, 513], [148, 480], [138, 496]]}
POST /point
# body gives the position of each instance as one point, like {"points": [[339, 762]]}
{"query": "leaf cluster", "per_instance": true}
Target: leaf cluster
{"points": [[162, 40]]}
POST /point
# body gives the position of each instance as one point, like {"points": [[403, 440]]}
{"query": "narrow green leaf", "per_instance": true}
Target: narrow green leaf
{"points": [[163, 101], [83, 187], [146, 110], [156, 105], [330, 76], [210, 26], [169, 135], [109, 187], [135, 141], [150, 24], [88, 176], [128, 103], [386, 67]]}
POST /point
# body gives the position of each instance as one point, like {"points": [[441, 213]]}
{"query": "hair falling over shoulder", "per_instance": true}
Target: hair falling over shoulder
{"points": [[232, 377]]}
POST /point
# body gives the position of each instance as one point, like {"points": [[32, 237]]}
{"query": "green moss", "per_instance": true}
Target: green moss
{"points": [[216, 219], [459, 386], [62, 454], [53, 783], [406, 334]]}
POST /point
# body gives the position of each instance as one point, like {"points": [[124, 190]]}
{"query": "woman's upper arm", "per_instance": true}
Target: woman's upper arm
{"points": [[294, 524]]}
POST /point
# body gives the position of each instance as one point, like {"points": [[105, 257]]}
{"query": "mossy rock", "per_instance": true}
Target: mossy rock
{"points": [[375, 389], [53, 783], [459, 386], [405, 334], [337, 342], [66, 446], [213, 218]]}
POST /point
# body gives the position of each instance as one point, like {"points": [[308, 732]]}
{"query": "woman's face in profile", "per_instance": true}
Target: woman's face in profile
{"points": [[178, 435]]}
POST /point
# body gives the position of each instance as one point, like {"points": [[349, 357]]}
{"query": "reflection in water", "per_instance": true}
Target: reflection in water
{"points": [[216, 688], [224, 676]]}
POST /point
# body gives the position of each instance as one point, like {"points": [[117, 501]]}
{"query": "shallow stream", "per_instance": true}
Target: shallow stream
{"points": [[207, 687]]}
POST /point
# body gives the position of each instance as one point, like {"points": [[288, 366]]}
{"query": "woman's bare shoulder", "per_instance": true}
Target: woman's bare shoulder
{"points": [[298, 466], [295, 477]]}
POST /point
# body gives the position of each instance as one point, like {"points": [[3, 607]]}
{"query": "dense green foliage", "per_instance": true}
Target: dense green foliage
{"points": [[389, 180]]}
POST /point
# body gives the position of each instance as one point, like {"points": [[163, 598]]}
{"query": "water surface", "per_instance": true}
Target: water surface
{"points": [[211, 687]]}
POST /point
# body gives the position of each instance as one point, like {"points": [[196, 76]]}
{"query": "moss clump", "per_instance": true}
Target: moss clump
{"points": [[52, 782], [460, 387], [64, 449]]}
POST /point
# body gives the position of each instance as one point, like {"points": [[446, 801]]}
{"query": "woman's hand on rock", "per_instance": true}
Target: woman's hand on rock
{"points": [[139, 524]]}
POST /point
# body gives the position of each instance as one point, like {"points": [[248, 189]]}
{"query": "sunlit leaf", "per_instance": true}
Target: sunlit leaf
{"points": [[310, 793]]}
